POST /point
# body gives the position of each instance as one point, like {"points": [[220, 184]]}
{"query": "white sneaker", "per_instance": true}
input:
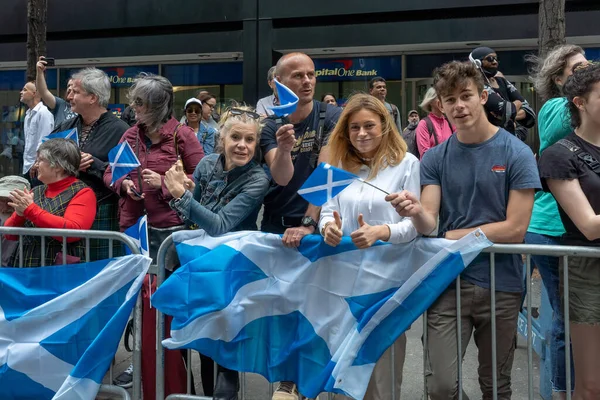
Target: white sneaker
{"points": [[286, 391]]}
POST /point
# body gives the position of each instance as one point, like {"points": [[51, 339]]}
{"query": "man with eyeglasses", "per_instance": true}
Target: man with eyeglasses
{"points": [[506, 107]]}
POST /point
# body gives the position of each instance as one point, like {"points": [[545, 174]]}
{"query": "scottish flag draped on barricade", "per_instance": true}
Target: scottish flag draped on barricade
{"points": [[317, 315], [68, 134], [60, 326], [122, 160]]}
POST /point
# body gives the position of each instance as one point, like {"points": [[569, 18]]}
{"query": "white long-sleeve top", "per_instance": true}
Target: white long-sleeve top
{"points": [[359, 198], [39, 122]]}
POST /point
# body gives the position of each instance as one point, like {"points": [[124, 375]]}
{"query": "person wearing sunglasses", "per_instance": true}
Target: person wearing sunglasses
{"points": [[506, 107], [229, 189], [208, 130], [193, 114]]}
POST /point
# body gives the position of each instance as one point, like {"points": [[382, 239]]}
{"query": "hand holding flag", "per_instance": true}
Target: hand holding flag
{"points": [[122, 160]]}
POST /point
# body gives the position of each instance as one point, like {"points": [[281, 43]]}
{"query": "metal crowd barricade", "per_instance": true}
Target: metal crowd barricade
{"points": [[521, 249], [528, 251], [87, 235]]}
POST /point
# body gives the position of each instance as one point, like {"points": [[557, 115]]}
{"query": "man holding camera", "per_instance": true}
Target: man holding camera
{"points": [[60, 108]]}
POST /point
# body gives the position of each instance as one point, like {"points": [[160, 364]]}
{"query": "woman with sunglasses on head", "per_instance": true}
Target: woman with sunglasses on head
{"points": [[229, 188], [208, 132], [366, 142], [158, 141], [569, 171], [546, 228], [506, 107]]}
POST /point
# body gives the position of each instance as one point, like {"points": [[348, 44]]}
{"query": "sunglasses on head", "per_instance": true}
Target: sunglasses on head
{"points": [[491, 59], [238, 111]]}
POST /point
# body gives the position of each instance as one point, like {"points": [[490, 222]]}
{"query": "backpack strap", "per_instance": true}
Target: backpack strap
{"points": [[431, 130], [584, 156], [319, 135]]}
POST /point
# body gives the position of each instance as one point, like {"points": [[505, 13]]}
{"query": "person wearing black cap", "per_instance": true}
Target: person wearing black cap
{"points": [[506, 107]]}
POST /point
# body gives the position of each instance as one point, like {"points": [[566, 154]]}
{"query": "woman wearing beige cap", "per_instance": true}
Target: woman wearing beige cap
{"points": [[7, 185]]}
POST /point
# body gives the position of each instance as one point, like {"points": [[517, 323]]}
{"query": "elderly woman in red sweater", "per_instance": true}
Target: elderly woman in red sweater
{"points": [[63, 202]]}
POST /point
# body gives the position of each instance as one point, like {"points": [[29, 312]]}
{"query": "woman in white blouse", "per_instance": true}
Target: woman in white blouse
{"points": [[367, 143]]}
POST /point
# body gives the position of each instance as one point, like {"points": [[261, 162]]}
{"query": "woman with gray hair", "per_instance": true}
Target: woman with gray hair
{"points": [[159, 141], [62, 202], [99, 131]]}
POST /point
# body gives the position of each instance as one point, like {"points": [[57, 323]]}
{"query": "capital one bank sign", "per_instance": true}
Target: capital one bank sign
{"points": [[355, 69]]}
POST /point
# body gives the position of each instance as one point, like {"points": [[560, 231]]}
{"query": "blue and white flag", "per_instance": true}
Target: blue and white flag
{"points": [[68, 134], [288, 101], [60, 326], [325, 183], [139, 234], [317, 315], [122, 160]]}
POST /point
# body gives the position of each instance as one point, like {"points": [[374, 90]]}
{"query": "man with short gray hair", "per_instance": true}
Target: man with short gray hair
{"points": [[99, 131], [263, 107], [38, 123]]}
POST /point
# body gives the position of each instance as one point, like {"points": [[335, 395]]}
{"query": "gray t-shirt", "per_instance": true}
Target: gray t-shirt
{"points": [[62, 111], [475, 180]]}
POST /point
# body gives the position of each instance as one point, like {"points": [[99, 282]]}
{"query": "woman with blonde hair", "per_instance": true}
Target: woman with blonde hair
{"points": [[366, 142]]}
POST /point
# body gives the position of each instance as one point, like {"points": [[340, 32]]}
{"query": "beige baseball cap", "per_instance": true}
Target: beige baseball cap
{"points": [[12, 182]]}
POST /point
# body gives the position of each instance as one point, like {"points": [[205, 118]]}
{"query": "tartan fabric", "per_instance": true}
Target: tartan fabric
{"points": [[32, 245], [107, 219]]}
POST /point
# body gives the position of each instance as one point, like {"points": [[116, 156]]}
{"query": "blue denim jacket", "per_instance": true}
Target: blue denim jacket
{"points": [[223, 201]]}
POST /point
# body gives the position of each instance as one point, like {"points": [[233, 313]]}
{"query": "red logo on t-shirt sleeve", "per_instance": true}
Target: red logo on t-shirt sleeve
{"points": [[499, 168]]}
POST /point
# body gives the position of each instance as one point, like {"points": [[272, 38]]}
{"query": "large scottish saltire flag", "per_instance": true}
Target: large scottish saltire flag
{"points": [[317, 315], [60, 326]]}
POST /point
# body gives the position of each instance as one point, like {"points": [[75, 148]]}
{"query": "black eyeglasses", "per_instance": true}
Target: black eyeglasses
{"points": [[239, 111], [192, 111], [491, 59]]}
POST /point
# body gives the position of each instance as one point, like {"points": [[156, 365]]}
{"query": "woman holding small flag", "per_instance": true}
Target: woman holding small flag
{"points": [[366, 142], [158, 141], [230, 187]]}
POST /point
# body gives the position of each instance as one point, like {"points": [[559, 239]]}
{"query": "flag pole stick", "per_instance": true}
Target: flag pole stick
{"points": [[373, 186]]}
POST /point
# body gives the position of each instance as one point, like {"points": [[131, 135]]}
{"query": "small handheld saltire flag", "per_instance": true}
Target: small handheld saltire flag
{"points": [[325, 183], [139, 234], [60, 326], [288, 101], [68, 134], [317, 315], [122, 160]]}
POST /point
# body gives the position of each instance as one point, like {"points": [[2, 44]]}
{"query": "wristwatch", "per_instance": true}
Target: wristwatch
{"points": [[308, 221]]}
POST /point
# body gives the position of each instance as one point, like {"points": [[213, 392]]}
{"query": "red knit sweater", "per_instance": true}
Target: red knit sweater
{"points": [[80, 212]]}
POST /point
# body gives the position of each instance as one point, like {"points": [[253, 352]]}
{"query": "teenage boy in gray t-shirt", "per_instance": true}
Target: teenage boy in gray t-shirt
{"points": [[482, 177]]}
